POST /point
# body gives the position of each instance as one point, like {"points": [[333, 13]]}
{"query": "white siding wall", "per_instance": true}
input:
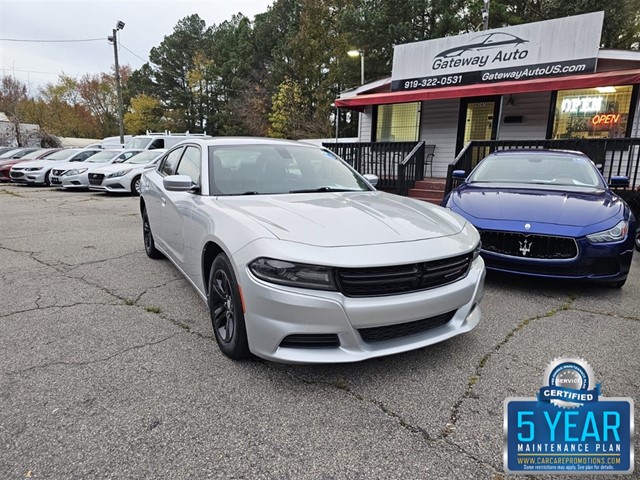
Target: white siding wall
{"points": [[534, 110], [635, 128], [365, 124], [439, 127]]}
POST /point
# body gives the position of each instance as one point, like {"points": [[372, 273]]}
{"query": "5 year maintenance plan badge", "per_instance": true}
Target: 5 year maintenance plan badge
{"points": [[570, 427]]}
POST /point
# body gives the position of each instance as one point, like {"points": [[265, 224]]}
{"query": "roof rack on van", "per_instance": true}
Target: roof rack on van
{"points": [[185, 134]]}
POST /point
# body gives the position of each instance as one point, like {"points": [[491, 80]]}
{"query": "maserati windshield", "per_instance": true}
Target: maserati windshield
{"points": [[272, 169], [538, 169]]}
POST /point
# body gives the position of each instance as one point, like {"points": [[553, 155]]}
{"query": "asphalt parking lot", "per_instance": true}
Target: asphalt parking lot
{"points": [[109, 368]]}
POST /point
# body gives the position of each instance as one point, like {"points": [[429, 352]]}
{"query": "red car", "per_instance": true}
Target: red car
{"points": [[6, 164]]}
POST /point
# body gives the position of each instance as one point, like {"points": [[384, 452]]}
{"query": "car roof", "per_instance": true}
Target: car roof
{"points": [[536, 151], [213, 141]]}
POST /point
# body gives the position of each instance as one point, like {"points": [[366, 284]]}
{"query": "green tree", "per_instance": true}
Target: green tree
{"points": [[145, 113], [287, 118]]}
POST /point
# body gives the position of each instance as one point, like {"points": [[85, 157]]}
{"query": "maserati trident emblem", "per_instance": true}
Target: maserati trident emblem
{"points": [[525, 247]]}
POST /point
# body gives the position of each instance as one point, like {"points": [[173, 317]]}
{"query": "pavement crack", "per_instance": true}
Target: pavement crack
{"points": [[90, 362], [496, 470], [475, 376], [606, 314], [341, 385]]}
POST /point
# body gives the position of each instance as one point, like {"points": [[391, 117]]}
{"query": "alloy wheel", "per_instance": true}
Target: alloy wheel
{"points": [[223, 313]]}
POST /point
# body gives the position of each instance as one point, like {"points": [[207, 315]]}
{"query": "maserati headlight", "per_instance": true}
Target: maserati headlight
{"points": [[75, 171], [614, 234], [293, 274], [32, 169], [119, 173]]}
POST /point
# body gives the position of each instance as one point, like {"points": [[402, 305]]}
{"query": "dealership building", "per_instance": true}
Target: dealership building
{"points": [[539, 81]]}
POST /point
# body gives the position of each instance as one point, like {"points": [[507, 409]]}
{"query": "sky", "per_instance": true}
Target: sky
{"points": [[147, 22]]}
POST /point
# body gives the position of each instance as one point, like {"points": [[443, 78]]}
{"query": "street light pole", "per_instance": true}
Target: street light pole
{"points": [[359, 53], [114, 39], [485, 15]]}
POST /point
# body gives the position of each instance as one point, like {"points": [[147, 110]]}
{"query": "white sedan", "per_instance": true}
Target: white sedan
{"points": [[124, 177], [301, 260], [76, 176]]}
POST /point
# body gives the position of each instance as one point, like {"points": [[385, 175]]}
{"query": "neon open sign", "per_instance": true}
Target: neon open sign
{"points": [[582, 104], [606, 119]]}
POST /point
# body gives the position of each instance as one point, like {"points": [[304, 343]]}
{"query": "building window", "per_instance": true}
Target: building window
{"points": [[601, 112], [398, 122]]}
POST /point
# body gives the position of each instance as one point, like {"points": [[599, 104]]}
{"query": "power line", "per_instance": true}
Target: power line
{"points": [[133, 53], [51, 41]]}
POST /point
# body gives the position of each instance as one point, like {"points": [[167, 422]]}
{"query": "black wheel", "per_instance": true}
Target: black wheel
{"points": [[47, 179], [149, 245], [225, 307], [638, 240], [135, 186]]}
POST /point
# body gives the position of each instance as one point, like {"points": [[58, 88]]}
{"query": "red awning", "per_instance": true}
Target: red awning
{"points": [[601, 79]]}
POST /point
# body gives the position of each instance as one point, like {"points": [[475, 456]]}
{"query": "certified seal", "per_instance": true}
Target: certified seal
{"points": [[569, 383]]}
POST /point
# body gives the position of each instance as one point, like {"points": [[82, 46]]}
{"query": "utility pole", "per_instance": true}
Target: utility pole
{"points": [[114, 39], [485, 15]]}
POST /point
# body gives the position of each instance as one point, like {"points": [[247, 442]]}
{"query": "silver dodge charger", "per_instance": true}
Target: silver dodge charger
{"points": [[301, 260]]}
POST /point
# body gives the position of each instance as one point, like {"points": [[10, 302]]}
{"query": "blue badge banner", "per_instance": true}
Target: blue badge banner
{"points": [[543, 438], [549, 393]]}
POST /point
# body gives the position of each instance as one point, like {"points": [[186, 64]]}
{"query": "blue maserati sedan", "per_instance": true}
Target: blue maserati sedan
{"points": [[547, 213]]}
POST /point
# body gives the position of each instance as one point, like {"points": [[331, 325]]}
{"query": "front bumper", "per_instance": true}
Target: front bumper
{"points": [[32, 178], [117, 184], [73, 181], [274, 312], [598, 262]]}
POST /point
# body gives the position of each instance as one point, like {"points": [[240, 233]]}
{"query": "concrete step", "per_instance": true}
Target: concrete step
{"points": [[436, 184], [422, 194]]}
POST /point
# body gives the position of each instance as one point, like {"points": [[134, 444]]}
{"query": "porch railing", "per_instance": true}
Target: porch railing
{"points": [[411, 169], [379, 158], [614, 156]]}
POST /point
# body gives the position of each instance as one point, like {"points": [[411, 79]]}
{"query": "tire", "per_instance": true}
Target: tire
{"points": [[135, 186], [149, 245], [638, 240], [47, 179], [225, 307]]}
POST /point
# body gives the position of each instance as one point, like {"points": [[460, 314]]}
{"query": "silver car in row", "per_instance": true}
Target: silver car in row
{"points": [[301, 260], [74, 176], [124, 177], [38, 172]]}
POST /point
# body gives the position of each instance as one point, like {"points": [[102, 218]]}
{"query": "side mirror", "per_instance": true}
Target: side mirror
{"points": [[619, 181], [178, 183], [372, 179], [461, 174]]}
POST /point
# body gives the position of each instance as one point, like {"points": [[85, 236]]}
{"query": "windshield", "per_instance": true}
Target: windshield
{"points": [[62, 154], [538, 169], [33, 154], [143, 158], [138, 143], [10, 153], [269, 169], [102, 157]]}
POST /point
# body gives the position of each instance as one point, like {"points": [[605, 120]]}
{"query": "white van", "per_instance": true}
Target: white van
{"points": [[110, 143], [153, 140]]}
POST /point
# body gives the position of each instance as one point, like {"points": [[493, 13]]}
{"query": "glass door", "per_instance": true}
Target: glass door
{"points": [[478, 120]]}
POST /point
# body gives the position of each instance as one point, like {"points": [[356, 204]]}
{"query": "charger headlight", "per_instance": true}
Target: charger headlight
{"points": [[293, 274], [476, 251], [615, 234]]}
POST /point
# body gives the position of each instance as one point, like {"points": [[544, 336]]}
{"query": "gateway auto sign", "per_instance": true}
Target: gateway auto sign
{"points": [[564, 46]]}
